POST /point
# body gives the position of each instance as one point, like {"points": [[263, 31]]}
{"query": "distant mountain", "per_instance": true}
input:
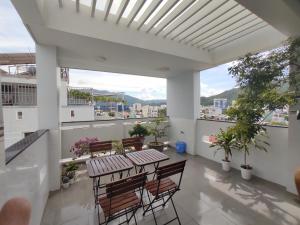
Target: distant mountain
{"points": [[230, 95], [131, 100]]}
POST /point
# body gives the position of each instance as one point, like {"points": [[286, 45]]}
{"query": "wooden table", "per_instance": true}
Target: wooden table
{"points": [[146, 157], [106, 165]]}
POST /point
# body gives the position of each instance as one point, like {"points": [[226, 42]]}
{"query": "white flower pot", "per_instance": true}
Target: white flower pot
{"points": [[72, 181], [246, 173], [226, 165], [65, 185]]}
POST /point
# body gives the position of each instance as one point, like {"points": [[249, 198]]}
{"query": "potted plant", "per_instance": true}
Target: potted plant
{"points": [[118, 147], [65, 182], [81, 147], [71, 169], [225, 140], [157, 129], [261, 78], [140, 131]]}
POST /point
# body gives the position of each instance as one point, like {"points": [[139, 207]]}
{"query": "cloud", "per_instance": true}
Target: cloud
{"points": [[13, 34], [138, 86], [207, 91]]}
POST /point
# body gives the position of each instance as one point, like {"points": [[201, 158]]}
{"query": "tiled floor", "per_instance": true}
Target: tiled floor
{"points": [[208, 196]]}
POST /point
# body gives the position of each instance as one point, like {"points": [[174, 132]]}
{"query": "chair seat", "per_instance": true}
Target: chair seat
{"points": [[165, 185], [119, 203]]}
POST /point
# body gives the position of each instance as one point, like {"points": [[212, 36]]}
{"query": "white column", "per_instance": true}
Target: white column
{"points": [[2, 148], [183, 102], [48, 83], [293, 150]]}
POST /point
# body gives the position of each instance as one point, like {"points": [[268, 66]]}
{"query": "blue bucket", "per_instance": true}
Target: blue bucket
{"points": [[180, 147]]}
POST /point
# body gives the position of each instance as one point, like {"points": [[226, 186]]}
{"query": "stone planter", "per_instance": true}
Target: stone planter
{"points": [[246, 173], [226, 165], [159, 146]]}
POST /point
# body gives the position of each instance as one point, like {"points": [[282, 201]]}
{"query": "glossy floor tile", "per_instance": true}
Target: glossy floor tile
{"points": [[209, 196]]}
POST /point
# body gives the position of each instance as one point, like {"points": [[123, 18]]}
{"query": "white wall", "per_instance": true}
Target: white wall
{"points": [[27, 176], [82, 113], [270, 166], [103, 130], [14, 128]]}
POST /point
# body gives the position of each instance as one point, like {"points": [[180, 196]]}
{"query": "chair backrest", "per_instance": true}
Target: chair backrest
{"points": [[131, 142], [100, 146], [170, 170], [126, 185]]}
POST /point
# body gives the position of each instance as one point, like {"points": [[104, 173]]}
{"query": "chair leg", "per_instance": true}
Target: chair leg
{"points": [[150, 205], [175, 211]]}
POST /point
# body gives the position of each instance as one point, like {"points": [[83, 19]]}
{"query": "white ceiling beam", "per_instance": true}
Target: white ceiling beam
{"points": [[142, 2], [209, 22], [238, 37], [122, 11], [220, 23], [94, 2], [200, 19], [235, 34], [77, 5], [108, 9], [283, 15], [186, 19], [162, 15], [223, 28], [149, 14], [176, 16], [232, 30]]}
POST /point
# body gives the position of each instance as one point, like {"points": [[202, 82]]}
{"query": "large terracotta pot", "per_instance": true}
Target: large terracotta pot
{"points": [[159, 146], [297, 180]]}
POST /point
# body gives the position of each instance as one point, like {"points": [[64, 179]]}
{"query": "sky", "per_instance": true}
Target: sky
{"points": [[15, 38]]}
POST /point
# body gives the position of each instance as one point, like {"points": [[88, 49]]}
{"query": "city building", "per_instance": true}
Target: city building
{"points": [[220, 103]]}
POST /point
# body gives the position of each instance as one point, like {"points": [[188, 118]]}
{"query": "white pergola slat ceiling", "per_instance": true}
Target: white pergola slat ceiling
{"points": [[202, 24]]}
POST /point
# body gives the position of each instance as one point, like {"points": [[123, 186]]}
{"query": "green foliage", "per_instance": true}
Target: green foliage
{"points": [[118, 147], [157, 129], [138, 130], [162, 112], [230, 95], [260, 77], [88, 96], [80, 94], [225, 140], [70, 169]]}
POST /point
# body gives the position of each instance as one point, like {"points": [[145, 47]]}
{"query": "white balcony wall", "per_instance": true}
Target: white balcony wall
{"points": [[27, 176], [103, 130], [15, 128], [80, 112], [271, 166]]}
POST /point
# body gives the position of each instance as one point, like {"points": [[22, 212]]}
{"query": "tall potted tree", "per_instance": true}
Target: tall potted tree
{"points": [[157, 129], [261, 78], [225, 140]]}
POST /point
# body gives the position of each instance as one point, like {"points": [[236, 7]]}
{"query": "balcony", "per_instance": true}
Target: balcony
{"points": [[208, 196], [174, 40]]}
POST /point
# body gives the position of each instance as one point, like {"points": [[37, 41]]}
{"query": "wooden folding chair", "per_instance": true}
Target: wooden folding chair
{"points": [[100, 147], [122, 199], [133, 143], [163, 186]]}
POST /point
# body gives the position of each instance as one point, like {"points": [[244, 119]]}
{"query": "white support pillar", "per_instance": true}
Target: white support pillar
{"points": [[293, 150], [183, 103], [2, 148], [48, 83]]}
